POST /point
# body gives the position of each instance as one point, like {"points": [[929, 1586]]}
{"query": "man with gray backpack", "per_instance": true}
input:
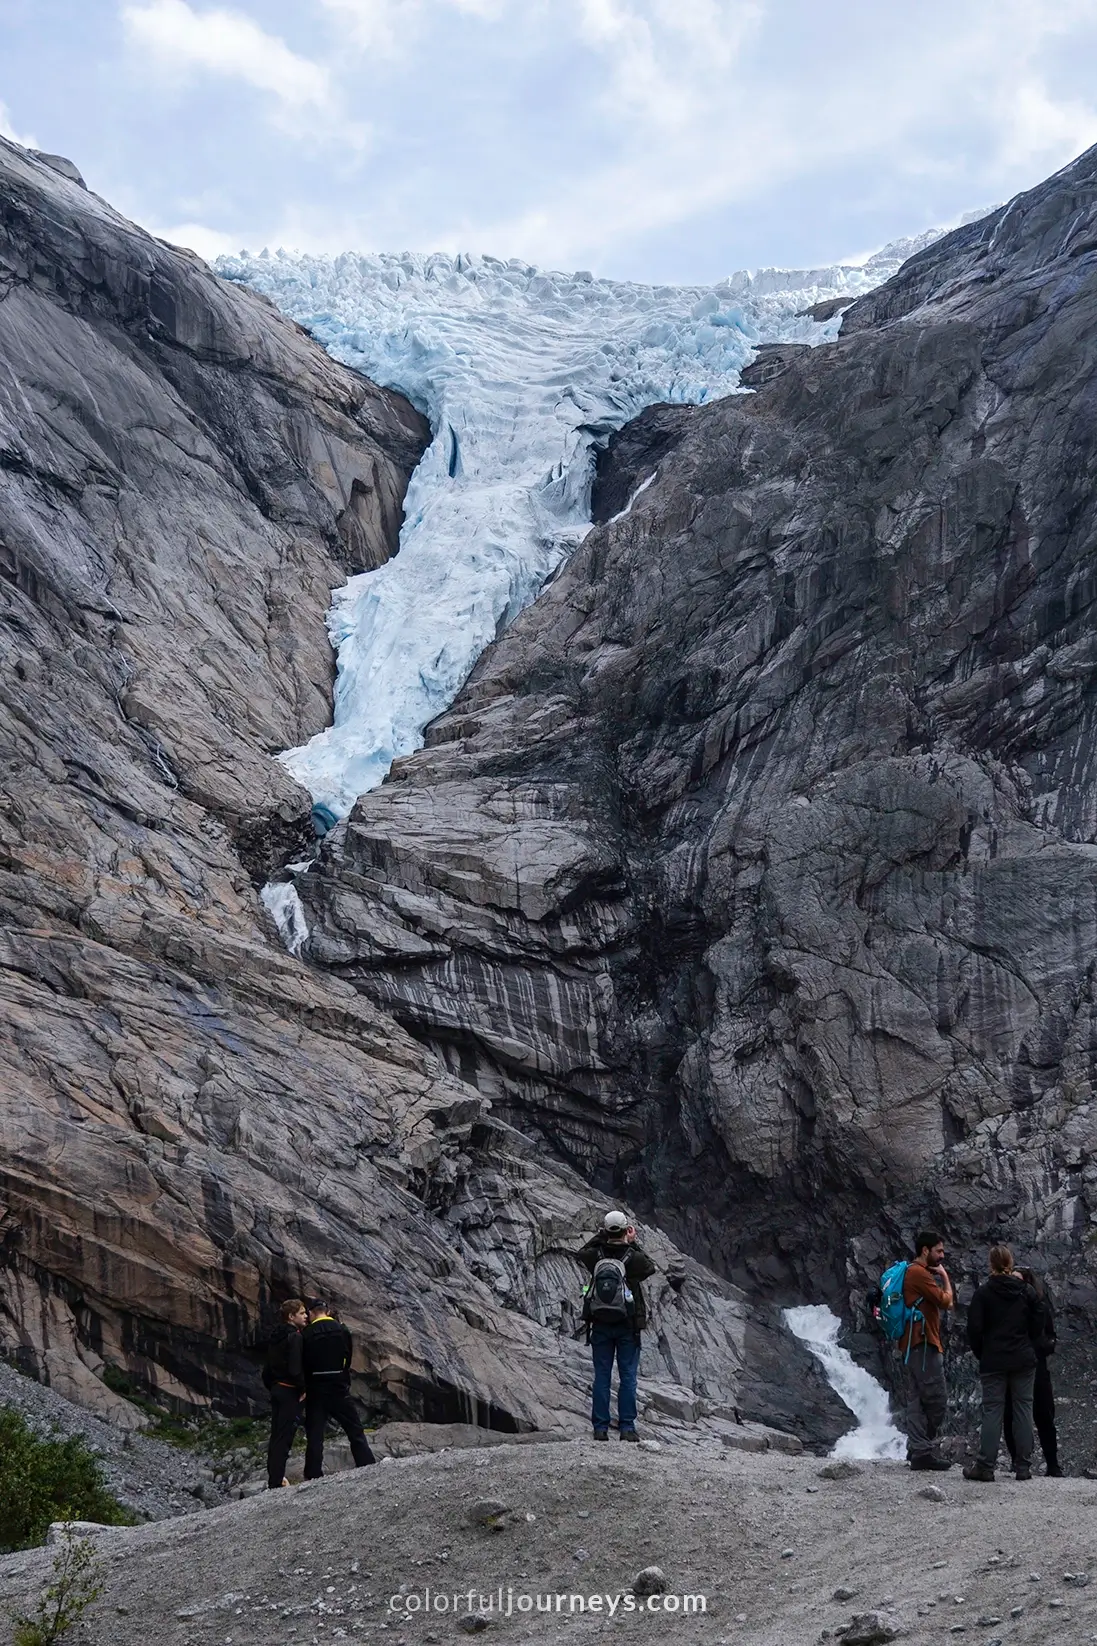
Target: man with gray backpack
{"points": [[614, 1314]]}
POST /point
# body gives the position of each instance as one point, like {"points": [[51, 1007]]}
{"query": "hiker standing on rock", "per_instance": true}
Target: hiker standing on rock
{"points": [[615, 1315], [326, 1354], [1004, 1324], [1043, 1395], [927, 1290], [283, 1375]]}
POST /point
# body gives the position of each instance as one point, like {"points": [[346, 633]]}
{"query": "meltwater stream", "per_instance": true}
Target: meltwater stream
{"points": [[875, 1436], [521, 374]]}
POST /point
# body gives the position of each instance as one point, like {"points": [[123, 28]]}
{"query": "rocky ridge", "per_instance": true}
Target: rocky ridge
{"points": [[752, 871], [195, 1124]]}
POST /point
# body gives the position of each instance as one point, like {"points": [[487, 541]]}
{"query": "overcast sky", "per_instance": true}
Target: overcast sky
{"points": [[648, 139]]}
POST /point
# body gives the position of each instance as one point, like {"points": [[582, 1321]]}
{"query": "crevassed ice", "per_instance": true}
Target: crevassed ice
{"points": [[875, 1435], [521, 372]]}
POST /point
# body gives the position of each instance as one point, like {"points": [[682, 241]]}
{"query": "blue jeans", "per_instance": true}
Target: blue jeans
{"points": [[606, 1342]]}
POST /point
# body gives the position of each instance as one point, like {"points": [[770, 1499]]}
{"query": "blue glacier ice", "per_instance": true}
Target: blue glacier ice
{"points": [[521, 373]]}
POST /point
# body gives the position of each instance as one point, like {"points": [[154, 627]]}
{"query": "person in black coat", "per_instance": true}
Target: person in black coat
{"points": [[1043, 1395], [326, 1354], [1003, 1325], [284, 1377]]}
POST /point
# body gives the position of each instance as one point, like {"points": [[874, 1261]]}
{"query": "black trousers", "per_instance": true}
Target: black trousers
{"points": [[285, 1405], [1043, 1415], [329, 1397]]}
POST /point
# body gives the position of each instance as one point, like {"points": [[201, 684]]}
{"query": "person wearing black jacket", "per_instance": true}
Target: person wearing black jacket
{"points": [[620, 1339], [1043, 1395], [1003, 1326], [326, 1354], [285, 1378]]}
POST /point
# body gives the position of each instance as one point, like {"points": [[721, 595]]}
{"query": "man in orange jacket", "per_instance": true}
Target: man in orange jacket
{"points": [[928, 1289]]}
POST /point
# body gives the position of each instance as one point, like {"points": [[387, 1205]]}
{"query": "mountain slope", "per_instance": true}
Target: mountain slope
{"points": [[193, 1124], [754, 867]]}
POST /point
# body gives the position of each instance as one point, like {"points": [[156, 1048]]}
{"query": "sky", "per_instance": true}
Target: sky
{"points": [[655, 140]]}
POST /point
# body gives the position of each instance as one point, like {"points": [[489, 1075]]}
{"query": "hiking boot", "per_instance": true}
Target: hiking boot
{"points": [[1022, 1472], [979, 1471], [601, 1434], [629, 1434], [926, 1460], [1053, 1472]]}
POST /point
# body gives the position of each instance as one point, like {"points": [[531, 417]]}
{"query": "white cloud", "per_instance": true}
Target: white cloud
{"points": [[372, 25], [208, 243], [391, 27], [1039, 130], [179, 39], [689, 128], [9, 131], [622, 135]]}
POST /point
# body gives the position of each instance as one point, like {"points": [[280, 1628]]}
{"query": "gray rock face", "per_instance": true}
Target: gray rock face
{"points": [[194, 1125], [754, 868]]}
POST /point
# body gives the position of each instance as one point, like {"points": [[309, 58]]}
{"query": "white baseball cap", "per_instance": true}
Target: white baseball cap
{"points": [[615, 1223]]}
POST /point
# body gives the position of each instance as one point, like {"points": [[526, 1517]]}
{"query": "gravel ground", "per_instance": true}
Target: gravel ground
{"points": [[153, 1479], [764, 1537]]}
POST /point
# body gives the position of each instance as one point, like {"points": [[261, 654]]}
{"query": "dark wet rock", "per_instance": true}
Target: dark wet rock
{"points": [[827, 309], [770, 360]]}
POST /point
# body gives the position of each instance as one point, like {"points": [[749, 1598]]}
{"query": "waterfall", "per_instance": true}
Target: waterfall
{"points": [[875, 1436]]}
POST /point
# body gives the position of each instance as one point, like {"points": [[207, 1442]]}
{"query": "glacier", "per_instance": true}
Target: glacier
{"points": [[522, 374]]}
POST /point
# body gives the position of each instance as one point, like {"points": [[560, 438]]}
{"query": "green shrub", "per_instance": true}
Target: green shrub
{"points": [[42, 1480], [206, 1432], [75, 1583]]}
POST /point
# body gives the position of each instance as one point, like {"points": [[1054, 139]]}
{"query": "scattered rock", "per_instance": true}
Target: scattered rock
{"points": [[839, 1469], [868, 1629], [474, 1622], [61, 1530], [649, 1581], [933, 1494], [843, 1592], [744, 1442], [491, 1514]]}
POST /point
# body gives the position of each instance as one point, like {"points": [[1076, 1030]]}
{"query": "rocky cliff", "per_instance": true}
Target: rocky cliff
{"points": [[193, 1123], [754, 870]]}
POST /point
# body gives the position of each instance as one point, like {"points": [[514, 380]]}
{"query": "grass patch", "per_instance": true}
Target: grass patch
{"points": [[215, 1437], [47, 1479]]}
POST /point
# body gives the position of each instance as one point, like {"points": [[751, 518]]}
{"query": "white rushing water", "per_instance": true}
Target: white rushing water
{"points": [[875, 1436], [521, 373]]}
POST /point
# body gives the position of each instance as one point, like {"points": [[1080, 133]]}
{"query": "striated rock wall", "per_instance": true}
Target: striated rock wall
{"points": [[753, 870], [192, 1124]]}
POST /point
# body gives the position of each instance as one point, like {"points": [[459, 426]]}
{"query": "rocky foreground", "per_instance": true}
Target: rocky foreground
{"points": [[783, 1555]]}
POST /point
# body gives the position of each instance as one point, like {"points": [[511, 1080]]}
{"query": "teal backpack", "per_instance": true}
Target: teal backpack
{"points": [[895, 1315]]}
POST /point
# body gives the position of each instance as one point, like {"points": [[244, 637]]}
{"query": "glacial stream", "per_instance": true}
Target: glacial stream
{"points": [[875, 1436], [522, 374]]}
